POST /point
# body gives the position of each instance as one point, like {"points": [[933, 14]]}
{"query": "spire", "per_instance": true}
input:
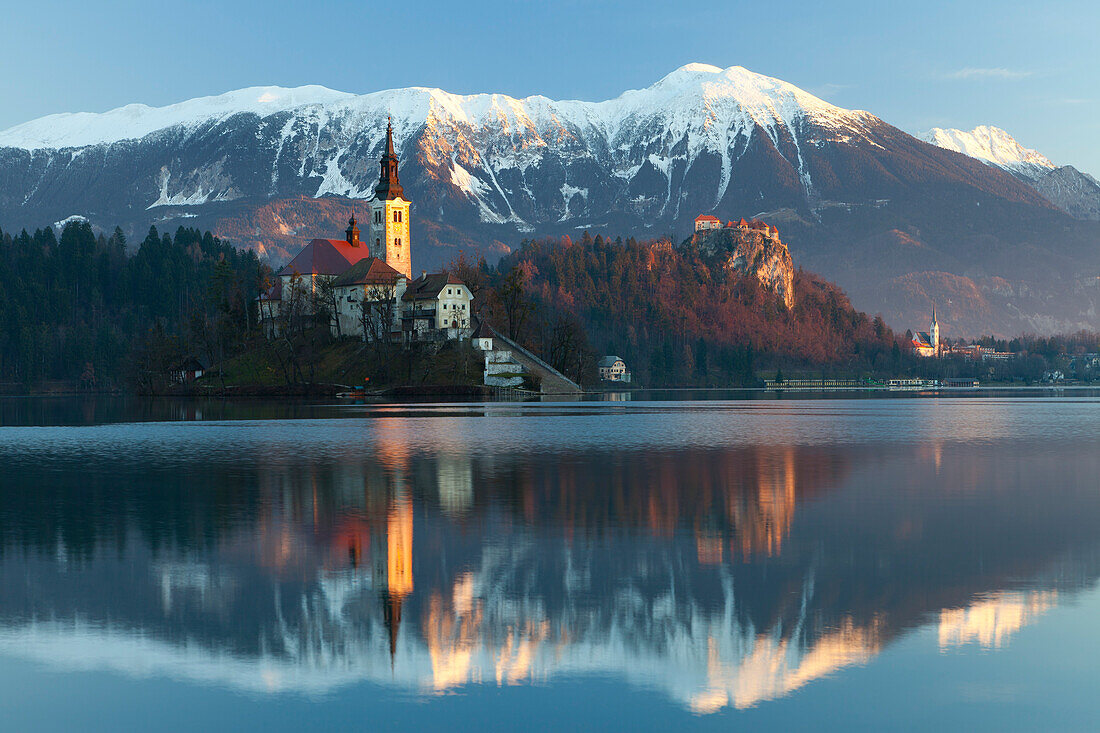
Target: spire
{"points": [[389, 187], [352, 232], [391, 617], [933, 311]]}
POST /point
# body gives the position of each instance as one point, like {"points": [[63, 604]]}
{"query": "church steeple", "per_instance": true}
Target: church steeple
{"points": [[934, 331], [389, 187], [352, 232]]}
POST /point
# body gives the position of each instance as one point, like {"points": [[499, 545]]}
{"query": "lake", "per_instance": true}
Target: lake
{"points": [[907, 563]]}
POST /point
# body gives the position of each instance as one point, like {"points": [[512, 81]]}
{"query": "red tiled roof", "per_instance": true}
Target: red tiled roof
{"points": [[708, 217], [325, 257], [742, 223], [369, 271]]}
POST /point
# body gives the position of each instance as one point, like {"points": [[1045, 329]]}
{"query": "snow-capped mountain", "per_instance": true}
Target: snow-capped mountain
{"points": [[660, 153], [270, 167], [992, 145], [1076, 193]]}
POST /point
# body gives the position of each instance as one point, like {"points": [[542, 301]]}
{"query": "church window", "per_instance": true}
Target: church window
{"points": [[378, 217], [397, 241], [377, 242]]}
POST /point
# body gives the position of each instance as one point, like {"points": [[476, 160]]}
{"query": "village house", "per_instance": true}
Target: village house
{"points": [[613, 369], [436, 304]]}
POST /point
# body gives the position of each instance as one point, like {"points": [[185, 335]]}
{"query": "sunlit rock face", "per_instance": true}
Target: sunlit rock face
{"points": [[750, 253], [721, 576]]}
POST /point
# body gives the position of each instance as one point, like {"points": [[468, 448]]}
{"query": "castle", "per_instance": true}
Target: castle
{"points": [[706, 222], [367, 289]]}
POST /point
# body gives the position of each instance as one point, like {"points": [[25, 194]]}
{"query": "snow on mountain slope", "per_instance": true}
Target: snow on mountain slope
{"points": [[135, 121], [1076, 193], [992, 145], [733, 95], [662, 152]]}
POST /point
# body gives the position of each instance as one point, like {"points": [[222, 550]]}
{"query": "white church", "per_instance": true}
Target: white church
{"points": [[927, 343], [368, 287]]}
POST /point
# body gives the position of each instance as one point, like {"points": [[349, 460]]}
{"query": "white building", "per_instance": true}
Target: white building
{"points": [[368, 297], [927, 343], [434, 305], [613, 369], [704, 222]]}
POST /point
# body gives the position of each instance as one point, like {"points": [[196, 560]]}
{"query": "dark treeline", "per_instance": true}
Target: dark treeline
{"points": [[88, 308]]}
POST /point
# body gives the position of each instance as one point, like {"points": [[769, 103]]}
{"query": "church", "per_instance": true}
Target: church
{"points": [[927, 343], [366, 287]]}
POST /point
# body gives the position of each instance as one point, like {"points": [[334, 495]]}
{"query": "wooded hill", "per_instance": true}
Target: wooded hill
{"points": [[676, 315], [87, 308]]}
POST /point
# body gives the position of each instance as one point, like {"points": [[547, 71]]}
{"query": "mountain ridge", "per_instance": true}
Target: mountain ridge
{"points": [[484, 171]]}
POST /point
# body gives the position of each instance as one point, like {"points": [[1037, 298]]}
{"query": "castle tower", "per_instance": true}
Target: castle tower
{"points": [[934, 332], [389, 225]]}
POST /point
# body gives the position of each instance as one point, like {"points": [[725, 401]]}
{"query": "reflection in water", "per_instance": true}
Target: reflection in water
{"points": [[722, 576], [992, 621]]}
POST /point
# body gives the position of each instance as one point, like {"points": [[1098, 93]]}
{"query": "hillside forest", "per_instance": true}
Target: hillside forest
{"points": [[101, 313]]}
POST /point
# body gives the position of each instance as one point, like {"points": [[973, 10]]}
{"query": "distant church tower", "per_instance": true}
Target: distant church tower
{"points": [[389, 223], [934, 332]]}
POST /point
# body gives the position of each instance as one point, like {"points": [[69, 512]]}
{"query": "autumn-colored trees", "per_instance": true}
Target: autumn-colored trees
{"points": [[674, 319]]}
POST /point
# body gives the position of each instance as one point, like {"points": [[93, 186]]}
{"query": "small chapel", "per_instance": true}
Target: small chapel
{"points": [[366, 287], [927, 343]]}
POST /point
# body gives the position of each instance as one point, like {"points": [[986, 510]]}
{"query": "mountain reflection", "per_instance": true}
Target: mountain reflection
{"points": [[721, 577]]}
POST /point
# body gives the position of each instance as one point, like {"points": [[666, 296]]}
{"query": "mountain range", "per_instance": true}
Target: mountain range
{"points": [[997, 236]]}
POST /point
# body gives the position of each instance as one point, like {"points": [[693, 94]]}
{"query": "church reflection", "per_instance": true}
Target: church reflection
{"points": [[722, 577]]}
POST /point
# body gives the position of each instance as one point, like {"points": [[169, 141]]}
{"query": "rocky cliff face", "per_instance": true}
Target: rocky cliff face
{"points": [[1074, 192], [751, 253]]}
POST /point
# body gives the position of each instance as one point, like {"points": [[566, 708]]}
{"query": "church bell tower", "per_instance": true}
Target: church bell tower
{"points": [[389, 224], [934, 332]]}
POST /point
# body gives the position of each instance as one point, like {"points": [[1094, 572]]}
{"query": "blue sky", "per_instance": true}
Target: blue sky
{"points": [[1031, 68]]}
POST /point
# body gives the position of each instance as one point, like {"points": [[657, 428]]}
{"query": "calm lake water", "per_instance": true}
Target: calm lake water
{"points": [[829, 564]]}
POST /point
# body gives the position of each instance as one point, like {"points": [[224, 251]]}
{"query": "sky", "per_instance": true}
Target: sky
{"points": [[1030, 68]]}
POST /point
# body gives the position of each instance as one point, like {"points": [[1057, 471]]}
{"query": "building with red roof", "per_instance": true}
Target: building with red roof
{"points": [[704, 222]]}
